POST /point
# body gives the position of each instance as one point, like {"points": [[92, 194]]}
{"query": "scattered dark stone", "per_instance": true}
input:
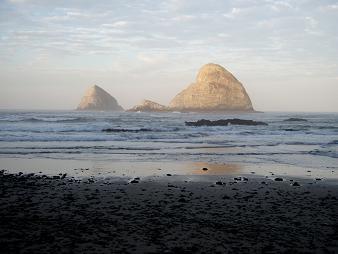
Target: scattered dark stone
{"points": [[225, 122], [136, 178], [318, 179], [168, 174], [245, 179], [63, 176], [219, 183], [278, 179], [294, 119], [298, 223], [263, 182], [238, 178], [204, 169], [56, 177], [225, 197], [182, 200], [134, 181], [295, 184]]}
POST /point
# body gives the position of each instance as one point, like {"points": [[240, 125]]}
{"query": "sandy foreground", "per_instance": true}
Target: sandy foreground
{"points": [[40, 214]]}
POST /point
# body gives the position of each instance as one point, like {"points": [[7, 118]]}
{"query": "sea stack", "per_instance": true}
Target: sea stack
{"points": [[97, 99], [149, 106], [215, 89]]}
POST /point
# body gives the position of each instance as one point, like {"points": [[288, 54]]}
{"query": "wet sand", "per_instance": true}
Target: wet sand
{"points": [[40, 214]]}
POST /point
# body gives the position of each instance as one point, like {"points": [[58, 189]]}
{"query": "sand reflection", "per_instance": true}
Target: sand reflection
{"points": [[214, 169]]}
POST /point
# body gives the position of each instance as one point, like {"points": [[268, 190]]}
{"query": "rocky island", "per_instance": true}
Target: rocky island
{"points": [[97, 99], [215, 90], [149, 106]]}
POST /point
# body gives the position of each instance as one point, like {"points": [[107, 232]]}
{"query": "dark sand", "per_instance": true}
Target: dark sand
{"points": [[44, 215]]}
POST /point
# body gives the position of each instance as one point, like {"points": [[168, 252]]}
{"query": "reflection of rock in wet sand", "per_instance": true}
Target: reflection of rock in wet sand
{"points": [[214, 169]]}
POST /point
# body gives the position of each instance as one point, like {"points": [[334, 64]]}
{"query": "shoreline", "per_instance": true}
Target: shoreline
{"points": [[85, 168], [40, 214]]}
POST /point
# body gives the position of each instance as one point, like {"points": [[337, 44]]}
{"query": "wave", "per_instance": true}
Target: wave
{"points": [[128, 130], [332, 154], [150, 152], [50, 119]]}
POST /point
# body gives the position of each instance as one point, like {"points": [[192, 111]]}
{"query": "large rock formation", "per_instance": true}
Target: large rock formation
{"points": [[215, 89], [149, 106], [98, 99]]}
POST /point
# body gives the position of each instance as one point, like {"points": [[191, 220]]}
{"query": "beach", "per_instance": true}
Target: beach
{"points": [[170, 127], [60, 214], [107, 182]]}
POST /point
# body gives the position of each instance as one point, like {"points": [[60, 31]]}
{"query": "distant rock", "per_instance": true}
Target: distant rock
{"points": [[97, 99], [149, 106], [215, 89], [295, 120], [226, 122]]}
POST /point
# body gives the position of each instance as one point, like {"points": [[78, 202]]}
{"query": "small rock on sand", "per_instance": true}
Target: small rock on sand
{"points": [[278, 179]]}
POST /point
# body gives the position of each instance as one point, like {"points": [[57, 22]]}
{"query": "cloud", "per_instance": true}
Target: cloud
{"points": [[18, 1], [233, 13], [184, 18], [311, 26], [117, 24], [330, 7]]}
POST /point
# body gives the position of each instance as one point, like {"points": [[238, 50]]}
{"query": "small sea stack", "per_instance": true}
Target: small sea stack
{"points": [[149, 106], [97, 99]]}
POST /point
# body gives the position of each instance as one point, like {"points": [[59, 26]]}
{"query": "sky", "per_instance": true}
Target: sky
{"points": [[284, 52]]}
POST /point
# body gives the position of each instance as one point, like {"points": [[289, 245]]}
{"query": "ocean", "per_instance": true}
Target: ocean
{"points": [[148, 144]]}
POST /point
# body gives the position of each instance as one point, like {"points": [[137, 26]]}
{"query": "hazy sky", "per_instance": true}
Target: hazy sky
{"points": [[284, 52]]}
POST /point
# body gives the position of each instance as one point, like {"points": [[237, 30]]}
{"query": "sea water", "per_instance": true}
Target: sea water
{"points": [[155, 143]]}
